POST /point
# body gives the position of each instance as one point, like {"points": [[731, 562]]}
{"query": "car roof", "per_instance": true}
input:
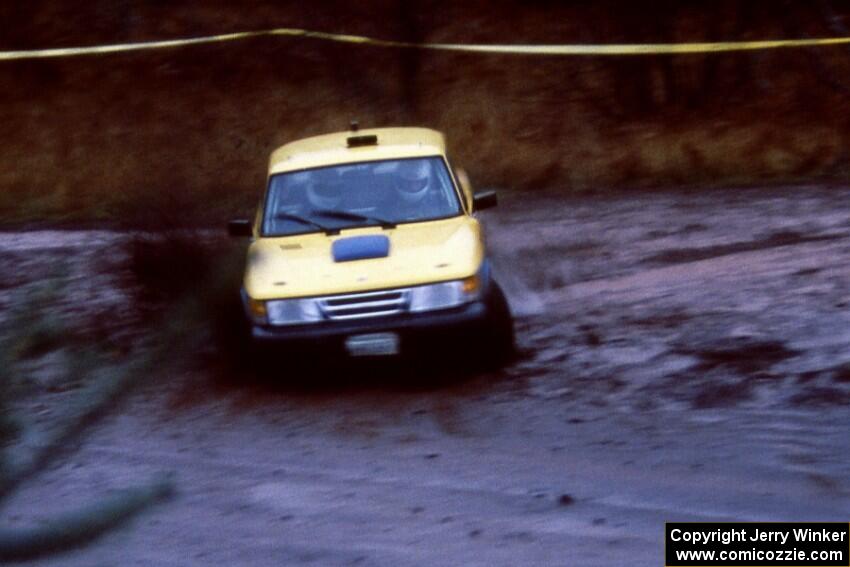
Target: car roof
{"points": [[330, 149]]}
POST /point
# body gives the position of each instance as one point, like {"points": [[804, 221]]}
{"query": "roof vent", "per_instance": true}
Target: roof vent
{"points": [[354, 126]]}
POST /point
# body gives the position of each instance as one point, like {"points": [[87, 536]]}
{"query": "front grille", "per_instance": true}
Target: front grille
{"points": [[368, 304]]}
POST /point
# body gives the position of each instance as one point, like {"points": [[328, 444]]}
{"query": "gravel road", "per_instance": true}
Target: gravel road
{"points": [[685, 357]]}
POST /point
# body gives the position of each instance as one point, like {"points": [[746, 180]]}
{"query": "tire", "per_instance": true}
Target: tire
{"points": [[498, 344]]}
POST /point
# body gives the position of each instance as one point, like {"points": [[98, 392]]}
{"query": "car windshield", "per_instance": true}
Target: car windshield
{"points": [[375, 193]]}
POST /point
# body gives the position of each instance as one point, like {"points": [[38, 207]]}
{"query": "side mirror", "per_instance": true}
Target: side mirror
{"points": [[485, 200], [240, 227]]}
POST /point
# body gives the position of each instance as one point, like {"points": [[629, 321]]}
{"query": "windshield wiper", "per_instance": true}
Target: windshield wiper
{"points": [[303, 220], [345, 215]]}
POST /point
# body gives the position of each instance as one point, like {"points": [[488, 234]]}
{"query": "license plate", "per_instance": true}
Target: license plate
{"points": [[374, 344]]}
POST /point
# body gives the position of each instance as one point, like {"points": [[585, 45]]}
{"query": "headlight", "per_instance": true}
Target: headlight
{"points": [[445, 295], [293, 311]]}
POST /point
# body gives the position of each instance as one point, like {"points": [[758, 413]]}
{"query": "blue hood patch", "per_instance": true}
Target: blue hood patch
{"points": [[360, 248]]}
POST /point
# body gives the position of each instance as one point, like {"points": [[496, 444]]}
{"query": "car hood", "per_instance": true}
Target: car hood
{"points": [[419, 253]]}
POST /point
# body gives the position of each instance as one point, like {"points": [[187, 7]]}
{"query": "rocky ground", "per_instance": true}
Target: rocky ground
{"points": [[684, 357]]}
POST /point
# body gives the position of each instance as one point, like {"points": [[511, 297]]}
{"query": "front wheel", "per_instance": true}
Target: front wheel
{"points": [[497, 341]]}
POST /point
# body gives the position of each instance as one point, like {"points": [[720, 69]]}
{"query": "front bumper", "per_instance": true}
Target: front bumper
{"points": [[412, 328]]}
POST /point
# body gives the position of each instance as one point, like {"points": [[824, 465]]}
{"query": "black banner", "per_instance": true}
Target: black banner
{"points": [[762, 544]]}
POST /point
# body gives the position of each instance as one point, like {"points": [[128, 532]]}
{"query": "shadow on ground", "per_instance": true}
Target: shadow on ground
{"points": [[295, 378]]}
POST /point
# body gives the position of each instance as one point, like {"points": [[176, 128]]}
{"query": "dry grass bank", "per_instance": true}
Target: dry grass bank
{"points": [[190, 129]]}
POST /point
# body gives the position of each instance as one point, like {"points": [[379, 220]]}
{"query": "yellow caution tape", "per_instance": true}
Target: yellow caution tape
{"points": [[568, 49]]}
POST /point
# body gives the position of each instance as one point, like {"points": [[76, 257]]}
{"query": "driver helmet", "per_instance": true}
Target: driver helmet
{"points": [[414, 181], [297, 185], [325, 191]]}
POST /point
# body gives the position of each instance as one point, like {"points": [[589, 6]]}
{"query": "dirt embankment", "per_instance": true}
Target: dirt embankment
{"points": [[189, 130]]}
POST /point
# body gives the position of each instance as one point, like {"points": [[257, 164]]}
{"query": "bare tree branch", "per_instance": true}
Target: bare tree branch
{"points": [[104, 398], [822, 70], [83, 526]]}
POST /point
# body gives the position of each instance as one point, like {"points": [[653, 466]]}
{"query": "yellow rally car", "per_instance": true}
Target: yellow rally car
{"points": [[366, 242]]}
